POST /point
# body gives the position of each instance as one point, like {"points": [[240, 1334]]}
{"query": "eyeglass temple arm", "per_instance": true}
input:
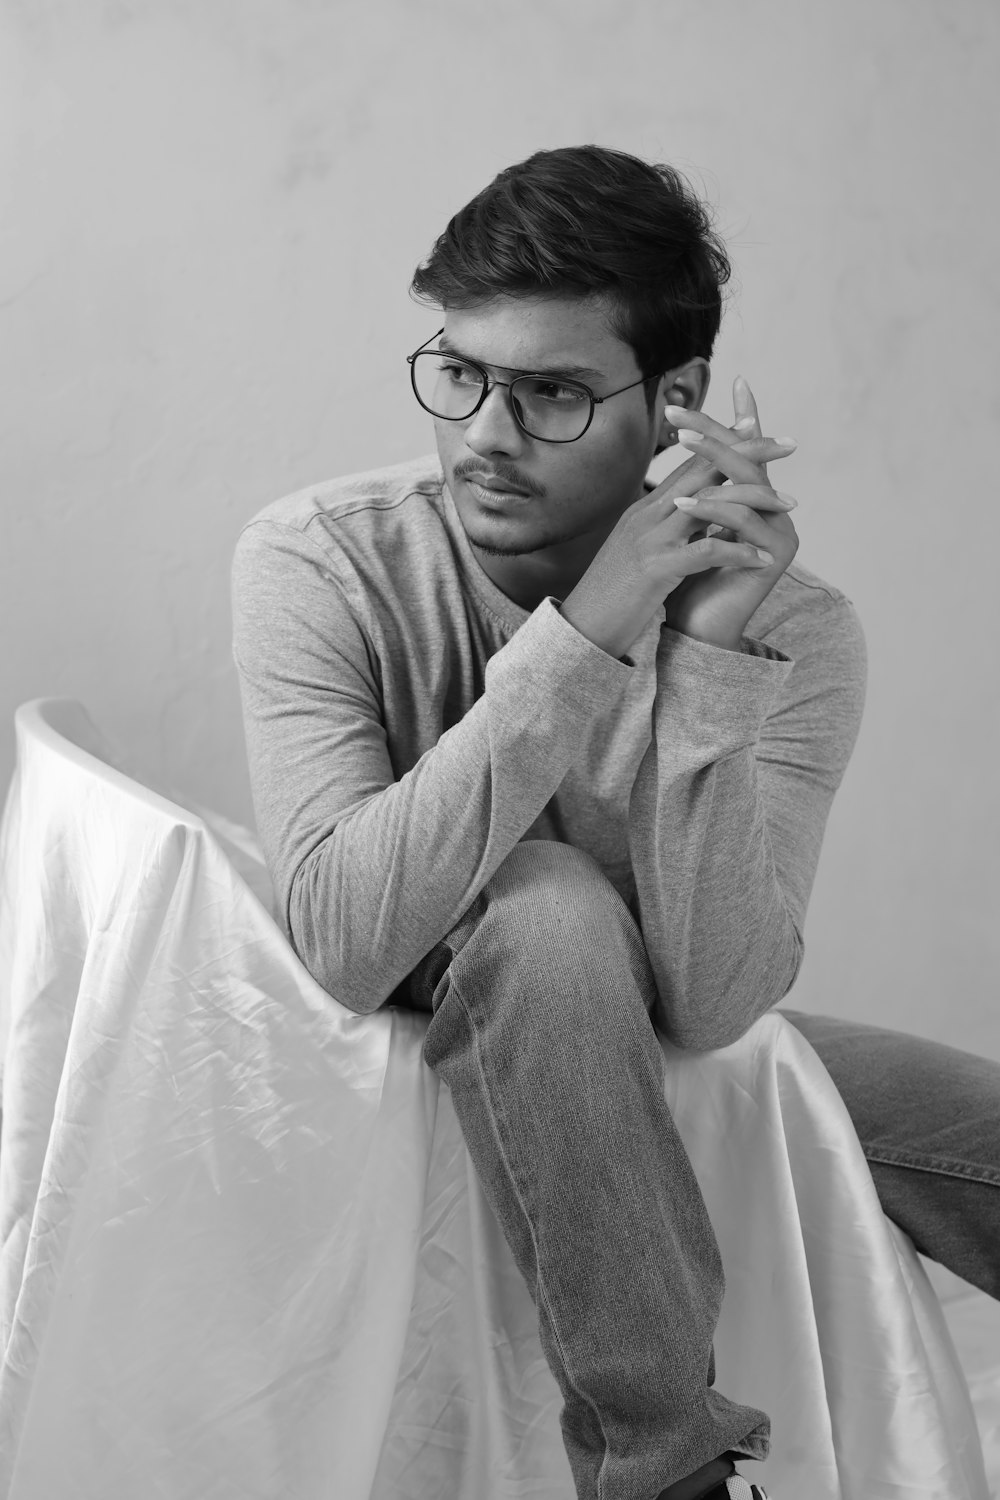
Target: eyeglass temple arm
{"points": [[423, 346]]}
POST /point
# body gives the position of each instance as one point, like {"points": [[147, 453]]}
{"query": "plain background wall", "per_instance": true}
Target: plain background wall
{"points": [[209, 214]]}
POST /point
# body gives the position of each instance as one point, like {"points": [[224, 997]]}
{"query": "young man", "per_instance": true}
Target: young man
{"points": [[549, 753]]}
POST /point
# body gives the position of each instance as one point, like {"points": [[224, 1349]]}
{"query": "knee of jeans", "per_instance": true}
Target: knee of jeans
{"points": [[555, 897], [544, 869]]}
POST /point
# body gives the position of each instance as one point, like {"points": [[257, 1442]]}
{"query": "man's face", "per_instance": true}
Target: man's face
{"points": [[573, 493]]}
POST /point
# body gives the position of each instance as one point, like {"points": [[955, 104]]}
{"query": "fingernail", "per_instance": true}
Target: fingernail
{"points": [[743, 424], [672, 413], [689, 438], [786, 442], [764, 556], [789, 500], [685, 502]]}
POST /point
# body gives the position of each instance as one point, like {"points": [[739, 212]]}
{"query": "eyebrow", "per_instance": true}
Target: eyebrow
{"points": [[571, 371]]}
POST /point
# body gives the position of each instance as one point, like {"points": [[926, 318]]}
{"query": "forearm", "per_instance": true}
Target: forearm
{"points": [[720, 931], [396, 872], [722, 942]]}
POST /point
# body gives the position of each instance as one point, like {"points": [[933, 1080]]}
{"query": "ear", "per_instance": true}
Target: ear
{"points": [[687, 385]]}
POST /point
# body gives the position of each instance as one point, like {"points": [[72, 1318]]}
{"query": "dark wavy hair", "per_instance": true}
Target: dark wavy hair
{"points": [[588, 221]]}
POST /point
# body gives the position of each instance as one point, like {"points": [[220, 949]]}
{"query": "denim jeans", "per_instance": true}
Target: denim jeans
{"points": [[928, 1119], [540, 1000]]}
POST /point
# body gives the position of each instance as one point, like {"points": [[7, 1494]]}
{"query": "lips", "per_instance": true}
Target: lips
{"points": [[496, 486]]}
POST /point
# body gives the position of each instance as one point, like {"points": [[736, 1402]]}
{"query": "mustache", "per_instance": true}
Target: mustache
{"points": [[501, 474]]}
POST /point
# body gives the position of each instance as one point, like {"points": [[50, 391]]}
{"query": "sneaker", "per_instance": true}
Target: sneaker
{"points": [[736, 1488]]}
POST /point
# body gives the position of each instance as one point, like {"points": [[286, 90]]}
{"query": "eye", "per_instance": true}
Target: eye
{"points": [[555, 391], [459, 373]]}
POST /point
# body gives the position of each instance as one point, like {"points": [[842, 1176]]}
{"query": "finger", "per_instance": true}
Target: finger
{"points": [[713, 552], [687, 420], [700, 470], [763, 448], [687, 479], [714, 530], [736, 463], [757, 496], [771, 448], [744, 405], [704, 531], [746, 524]]}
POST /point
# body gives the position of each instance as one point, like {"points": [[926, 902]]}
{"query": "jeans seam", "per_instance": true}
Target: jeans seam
{"points": [[942, 1166], [542, 1293]]}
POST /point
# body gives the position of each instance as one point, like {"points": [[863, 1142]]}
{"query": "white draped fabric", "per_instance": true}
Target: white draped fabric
{"points": [[243, 1253]]}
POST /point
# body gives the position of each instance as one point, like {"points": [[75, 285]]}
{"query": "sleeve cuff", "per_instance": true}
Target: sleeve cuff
{"points": [[551, 660], [717, 700]]}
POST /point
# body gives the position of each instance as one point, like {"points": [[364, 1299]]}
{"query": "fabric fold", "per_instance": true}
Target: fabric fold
{"points": [[243, 1252]]}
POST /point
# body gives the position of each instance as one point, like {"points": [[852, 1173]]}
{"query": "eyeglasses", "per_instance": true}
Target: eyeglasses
{"points": [[544, 406]]}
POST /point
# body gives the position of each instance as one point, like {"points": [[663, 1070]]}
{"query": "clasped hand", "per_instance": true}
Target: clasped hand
{"points": [[728, 524], [692, 545]]}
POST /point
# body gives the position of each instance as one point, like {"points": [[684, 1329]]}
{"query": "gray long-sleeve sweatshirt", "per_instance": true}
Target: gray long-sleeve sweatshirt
{"points": [[407, 723]]}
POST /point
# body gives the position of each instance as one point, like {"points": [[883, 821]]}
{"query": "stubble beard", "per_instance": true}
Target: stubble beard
{"points": [[518, 551]]}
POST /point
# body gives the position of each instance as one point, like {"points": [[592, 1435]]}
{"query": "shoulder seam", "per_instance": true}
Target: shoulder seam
{"points": [[373, 502], [818, 585], [302, 535]]}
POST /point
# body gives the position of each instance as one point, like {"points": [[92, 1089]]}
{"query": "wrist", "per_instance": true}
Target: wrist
{"points": [[716, 622], [601, 624]]}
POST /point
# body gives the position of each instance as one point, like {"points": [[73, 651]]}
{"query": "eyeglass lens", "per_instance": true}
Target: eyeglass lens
{"points": [[549, 409]]}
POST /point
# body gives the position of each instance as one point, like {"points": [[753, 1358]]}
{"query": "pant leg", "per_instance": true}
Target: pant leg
{"points": [[928, 1119], [541, 1030]]}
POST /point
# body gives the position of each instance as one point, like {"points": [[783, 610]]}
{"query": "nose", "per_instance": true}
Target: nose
{"points": [[493, 428]]}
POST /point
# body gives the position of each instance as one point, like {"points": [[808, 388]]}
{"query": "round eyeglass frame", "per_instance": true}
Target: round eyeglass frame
{"points": [[489, 383]]}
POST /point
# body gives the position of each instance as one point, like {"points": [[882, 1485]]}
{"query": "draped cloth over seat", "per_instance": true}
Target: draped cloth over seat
{"points": [[243, 1252]]}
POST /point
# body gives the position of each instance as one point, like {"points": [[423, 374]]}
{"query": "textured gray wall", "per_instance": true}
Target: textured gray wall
{"points": [[209, 213]]}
